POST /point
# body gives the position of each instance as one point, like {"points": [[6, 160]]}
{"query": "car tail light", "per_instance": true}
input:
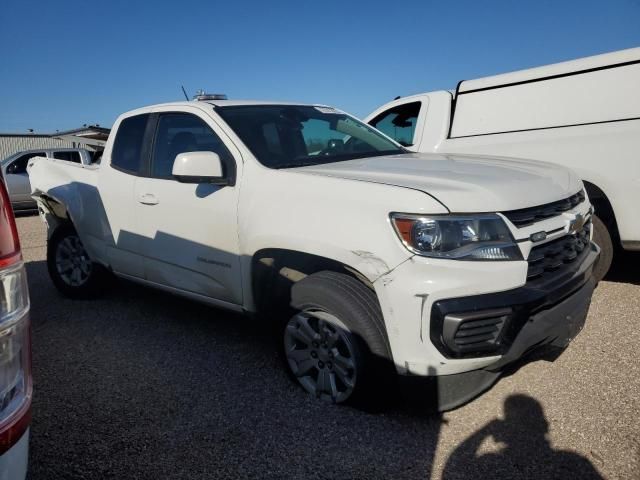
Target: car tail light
{"points": [[9, 242], [15, 338]]}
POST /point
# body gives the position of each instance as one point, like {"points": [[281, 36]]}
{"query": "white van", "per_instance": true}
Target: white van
{"points": [[583, 114]]}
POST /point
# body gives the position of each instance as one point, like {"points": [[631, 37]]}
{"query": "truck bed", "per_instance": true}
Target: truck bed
{"points": [[65, 189], [48, 175]]}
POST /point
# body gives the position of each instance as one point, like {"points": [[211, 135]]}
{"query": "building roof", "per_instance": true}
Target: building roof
{"points": [[87, 131]]}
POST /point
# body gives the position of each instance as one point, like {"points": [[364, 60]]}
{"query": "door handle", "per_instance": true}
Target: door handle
{"points": [[148, 199]]}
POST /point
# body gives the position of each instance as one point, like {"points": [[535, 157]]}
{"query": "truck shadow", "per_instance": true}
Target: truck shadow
{"points": [[25, 213], [625, 268], [141, 384]]}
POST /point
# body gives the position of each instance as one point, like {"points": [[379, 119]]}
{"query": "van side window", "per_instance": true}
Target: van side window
{"points": [[399, 122], [127, 147], [69, 156], [179, 133], [19, 165]]}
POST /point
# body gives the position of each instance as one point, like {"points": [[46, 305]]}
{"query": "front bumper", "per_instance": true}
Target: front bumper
{"points": [[494, 324], [534, 315], [556, 326]]}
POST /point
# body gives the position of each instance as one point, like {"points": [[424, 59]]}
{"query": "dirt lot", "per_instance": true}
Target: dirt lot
{"points": [[139, 384]]}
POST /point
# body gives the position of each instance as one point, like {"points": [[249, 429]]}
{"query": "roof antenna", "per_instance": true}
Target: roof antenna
{"points": [[185, 92]]}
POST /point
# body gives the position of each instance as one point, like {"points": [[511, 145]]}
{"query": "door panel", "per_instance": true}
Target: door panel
{"points": [[122, 240], [118, 175], [189, 235], [18, 180], [19, 188]]}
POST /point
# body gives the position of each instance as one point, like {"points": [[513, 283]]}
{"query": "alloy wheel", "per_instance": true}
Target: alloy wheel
{"points": [[320, 353], [72, 262]]}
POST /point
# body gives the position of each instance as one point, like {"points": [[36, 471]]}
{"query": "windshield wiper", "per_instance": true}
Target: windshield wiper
{"points": [[296, 164], [340, 157]]}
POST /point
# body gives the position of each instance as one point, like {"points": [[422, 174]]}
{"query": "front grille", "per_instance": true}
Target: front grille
{"points": [[554, 257], [527, 216]]}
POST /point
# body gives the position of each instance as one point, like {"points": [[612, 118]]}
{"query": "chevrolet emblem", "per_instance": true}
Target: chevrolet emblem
{"points": [[576, 224], [538, 236]]}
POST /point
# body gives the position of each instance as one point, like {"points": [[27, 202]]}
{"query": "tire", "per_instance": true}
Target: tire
{"points": [[73, 273], [602, 238], [335, 345]]}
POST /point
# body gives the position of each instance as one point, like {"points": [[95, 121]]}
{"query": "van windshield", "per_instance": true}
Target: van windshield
{"points": [[288, 136]]}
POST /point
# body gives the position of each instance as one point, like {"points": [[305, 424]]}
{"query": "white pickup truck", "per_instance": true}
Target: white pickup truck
{"points": [[374, 260], [583, 114]]}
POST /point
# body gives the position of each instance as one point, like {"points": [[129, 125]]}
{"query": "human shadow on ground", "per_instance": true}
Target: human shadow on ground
{"points": [[526, 451]]}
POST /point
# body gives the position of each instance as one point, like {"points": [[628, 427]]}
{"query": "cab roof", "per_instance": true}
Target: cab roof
{"points": [[235, 103]]}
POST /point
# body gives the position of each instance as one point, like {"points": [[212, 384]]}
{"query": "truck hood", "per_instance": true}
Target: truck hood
{"points": [[462, 183]]}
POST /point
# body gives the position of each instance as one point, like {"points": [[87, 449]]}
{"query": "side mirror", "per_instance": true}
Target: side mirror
{"points": [[199, 167]]}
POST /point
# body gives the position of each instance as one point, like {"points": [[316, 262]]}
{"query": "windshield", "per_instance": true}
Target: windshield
{"points": [[288, 136]]}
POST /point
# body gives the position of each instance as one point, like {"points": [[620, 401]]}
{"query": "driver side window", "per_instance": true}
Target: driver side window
{"points": [[180, 133], [399, 123]]}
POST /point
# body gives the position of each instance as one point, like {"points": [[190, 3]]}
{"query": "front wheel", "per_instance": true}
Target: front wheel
{"points": [[335, 345], [323, 355], [602, 238], [73, 273]]}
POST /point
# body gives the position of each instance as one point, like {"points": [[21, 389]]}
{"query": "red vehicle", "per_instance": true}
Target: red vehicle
{"points": [[16, 385]]}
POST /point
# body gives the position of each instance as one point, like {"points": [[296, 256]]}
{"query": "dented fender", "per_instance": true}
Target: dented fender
{"points": [[67, 192]]}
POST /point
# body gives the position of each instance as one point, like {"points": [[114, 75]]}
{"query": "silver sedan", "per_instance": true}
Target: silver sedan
{"points": [[14, 170]]}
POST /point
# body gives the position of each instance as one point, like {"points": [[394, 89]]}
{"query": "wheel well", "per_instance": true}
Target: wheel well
{"points": [[51, 206], [55, 213], [275, 270], [603, 209]]}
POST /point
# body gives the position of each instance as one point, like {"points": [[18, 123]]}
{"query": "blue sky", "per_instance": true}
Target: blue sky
{"points": [[66, 63]]}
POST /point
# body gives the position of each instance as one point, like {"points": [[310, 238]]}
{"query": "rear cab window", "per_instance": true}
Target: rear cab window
{"points": [[128, 146]]}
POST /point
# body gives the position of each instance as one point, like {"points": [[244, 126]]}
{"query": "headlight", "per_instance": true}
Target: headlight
{"points": [[473, 237]]}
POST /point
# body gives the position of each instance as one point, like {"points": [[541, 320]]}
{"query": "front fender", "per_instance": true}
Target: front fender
{"points": [[346, 221]]}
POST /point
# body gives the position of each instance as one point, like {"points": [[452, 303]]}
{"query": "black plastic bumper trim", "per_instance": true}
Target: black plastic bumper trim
{"points": [[524, 301], [556, 326]]}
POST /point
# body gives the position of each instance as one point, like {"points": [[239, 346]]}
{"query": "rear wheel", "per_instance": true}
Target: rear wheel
{"points": [[336, 343], [602, 238], [73, 273]]}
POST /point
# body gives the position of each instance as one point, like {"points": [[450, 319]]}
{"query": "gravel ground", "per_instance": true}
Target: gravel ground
{"points": [[140, 384]]}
